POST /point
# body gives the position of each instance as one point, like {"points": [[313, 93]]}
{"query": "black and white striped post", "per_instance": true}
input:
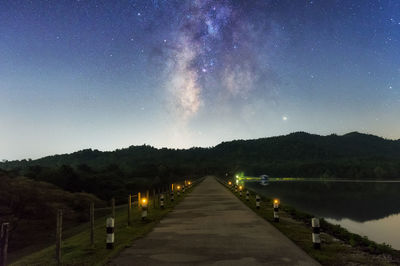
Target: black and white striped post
{"points": [[240, 191], [258, 201], [144, 208], [178, 192], [276, 210], [110, 233], [162, 201], [183, 189], [236, 188], [247, 195], [315, 233], [172, 195]]}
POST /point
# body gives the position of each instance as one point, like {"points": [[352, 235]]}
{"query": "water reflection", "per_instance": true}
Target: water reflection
{"points": [[366, 208], [385, 230]]}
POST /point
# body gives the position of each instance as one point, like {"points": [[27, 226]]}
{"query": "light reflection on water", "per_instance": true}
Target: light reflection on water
{"points": [[385, 230], [369, 209]]}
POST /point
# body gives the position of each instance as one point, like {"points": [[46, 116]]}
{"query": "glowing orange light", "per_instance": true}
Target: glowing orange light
{"points": [[276, 201], [178, 187], [240, 187], [189, 182], [144, 200], [229, 183]]}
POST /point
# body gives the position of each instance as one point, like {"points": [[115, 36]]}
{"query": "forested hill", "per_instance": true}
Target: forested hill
{"points": [[300, 154], [296, 146]]}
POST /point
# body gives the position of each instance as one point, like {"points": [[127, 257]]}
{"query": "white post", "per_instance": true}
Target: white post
{"points": [[258, 201], [144, 209], [110, 233], [315, 233], [276, 211], [162, 201]]}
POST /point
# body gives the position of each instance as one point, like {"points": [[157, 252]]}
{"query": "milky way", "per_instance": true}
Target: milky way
{"points": [[214, 48], [179, 73]]}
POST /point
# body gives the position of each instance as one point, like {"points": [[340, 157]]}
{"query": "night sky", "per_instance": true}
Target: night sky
{"points": [[110, 74]]}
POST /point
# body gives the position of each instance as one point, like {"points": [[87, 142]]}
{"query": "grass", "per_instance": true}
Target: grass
{"points": [[339, 247], [77, 250]]}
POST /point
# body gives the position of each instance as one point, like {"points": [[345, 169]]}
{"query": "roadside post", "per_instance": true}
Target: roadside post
{"points": [[247, 195], [316, 239], [154, 198], [129, 209], [110, 233], [59, 236], [258, 201], [162, 201], [92, 223], [276, 210], [144, 208], [4, 243], [172, 193]]}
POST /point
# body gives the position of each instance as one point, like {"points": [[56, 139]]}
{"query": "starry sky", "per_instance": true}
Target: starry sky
{"points": [[173, 73]]}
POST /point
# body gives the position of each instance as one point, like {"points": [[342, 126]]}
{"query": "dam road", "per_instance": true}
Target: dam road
{"points": [[213, 227]]}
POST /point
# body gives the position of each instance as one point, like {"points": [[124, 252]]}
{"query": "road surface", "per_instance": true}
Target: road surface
{"points": [[212, 227]]}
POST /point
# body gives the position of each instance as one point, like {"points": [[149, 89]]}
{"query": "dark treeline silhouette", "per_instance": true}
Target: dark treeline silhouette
{"points": [[30, 207], [107, 174]]}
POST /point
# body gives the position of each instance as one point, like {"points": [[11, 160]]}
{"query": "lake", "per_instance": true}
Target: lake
{"points": [[369, 209]]}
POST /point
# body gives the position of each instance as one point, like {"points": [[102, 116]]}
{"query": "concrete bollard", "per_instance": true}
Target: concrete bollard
{"points": [[247, 195], [276, 210], [144, 208], [162, 201], [110, 233], [315, 233], [258, 201]]}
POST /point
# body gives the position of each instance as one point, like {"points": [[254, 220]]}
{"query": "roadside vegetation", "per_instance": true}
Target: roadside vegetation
{"points": [[339, 246], [77, 250]]}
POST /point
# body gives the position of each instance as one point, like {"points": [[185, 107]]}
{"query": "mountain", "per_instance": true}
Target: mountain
{"points": [[295, 146], [300, 154]]}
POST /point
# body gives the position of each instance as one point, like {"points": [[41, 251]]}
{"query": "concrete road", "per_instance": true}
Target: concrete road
{"points": [[212, 227]]}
